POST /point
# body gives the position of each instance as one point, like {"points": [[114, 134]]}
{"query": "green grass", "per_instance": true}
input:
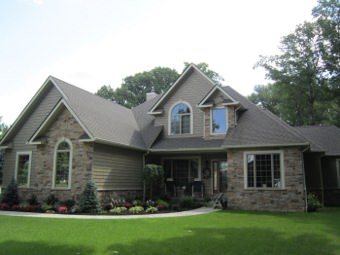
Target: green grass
{"points": [[227, 232]]}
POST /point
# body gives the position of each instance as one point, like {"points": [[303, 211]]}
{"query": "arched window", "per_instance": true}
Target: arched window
{"points": [[180, 119], [62, 165]]}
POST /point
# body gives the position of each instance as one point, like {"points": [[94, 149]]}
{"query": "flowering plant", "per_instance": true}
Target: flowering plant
{"points": [[15, 207], [4, 206], [62, 209], [127, 205]]}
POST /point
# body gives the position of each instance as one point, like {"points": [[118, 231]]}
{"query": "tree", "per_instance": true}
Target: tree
{"points": [[153, 178], [89, 202], [3, 128], [299, 78], [134, 88], [204, 67], [267, 97], [11, 195]]}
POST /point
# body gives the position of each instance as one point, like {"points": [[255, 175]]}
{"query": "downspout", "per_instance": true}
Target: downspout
{"points": [[304, 177]]}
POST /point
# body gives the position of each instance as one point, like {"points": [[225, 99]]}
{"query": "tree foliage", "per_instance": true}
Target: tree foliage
{"points": [[306, 73], [11, 195], [89, 202], [132, 91], [134, 88], [153, 178], [3, 128]]}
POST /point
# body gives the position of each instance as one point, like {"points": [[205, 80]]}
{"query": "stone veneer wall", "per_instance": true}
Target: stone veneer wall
{"points": [[291, 198], [65, 126]]}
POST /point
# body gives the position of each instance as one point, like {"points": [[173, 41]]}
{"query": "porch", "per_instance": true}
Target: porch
{"points": [[198, 176]]}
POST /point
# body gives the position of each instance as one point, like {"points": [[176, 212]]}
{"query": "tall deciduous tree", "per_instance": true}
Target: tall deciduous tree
{"points": [[306, 73], [134, 88], [3, 128]]}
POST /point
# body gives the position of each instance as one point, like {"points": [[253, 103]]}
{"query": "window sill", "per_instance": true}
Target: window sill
{"points": [[265, 189], [61, 189]]}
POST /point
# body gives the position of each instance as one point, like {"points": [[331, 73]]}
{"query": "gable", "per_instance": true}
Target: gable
{"points": [[200, 79], [38, 136]]}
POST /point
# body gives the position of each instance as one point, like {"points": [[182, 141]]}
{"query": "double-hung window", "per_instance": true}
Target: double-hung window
{"points": [[23, 168], [62, 165], [264, 170]]}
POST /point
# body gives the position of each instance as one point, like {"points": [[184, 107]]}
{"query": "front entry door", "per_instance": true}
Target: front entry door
{"points": [[219, 175]]}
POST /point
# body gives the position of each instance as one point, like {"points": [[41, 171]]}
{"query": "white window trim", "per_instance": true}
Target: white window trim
{"points": [[170, 114], [282, 168], [187, 158], [55, 163], [211, 121], [20, 153], [337, 162]]}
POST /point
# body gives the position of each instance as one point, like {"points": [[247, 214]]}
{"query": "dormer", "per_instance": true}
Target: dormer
{"points": [[219, 112]]}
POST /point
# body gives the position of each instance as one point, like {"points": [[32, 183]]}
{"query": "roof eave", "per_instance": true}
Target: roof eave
{"points": [[264, 145], [112, 143]]}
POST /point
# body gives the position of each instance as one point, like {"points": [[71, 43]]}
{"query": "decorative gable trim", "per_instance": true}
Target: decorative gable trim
{"points": [[177, 82], [51, 117], [203, 104]]}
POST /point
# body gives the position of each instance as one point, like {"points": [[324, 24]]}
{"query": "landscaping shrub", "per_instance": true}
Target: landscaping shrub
{"points": [[313, 202], [51, 200], [11, 196], [153, 178], [33, 200], [136, 209], [118, 210], [186, 202], [162, 204], [151, 209], [89, 202]]}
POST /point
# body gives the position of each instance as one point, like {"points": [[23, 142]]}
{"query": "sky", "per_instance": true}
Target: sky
{"points": [[91, 43]]}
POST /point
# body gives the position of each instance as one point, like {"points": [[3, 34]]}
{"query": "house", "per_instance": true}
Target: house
{"points": [[322, 162], [208, 138]]}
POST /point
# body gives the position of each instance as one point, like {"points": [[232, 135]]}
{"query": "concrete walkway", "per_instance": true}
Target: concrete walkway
{"points": [[202, 210]]}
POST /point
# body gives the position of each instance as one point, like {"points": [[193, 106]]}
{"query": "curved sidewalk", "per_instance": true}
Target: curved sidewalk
{"points": [[201, 210]]}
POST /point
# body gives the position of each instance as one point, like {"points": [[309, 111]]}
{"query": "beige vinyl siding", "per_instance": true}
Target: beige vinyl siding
{"points": [[193, 89], [116, 168], [27, 128]]}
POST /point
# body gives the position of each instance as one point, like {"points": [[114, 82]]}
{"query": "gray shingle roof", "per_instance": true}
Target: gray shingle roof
{"points": [[105, 120], [322, 138], [259, 127]]}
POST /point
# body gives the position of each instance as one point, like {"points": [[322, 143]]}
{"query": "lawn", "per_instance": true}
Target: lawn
{"points": [[227, 232]]}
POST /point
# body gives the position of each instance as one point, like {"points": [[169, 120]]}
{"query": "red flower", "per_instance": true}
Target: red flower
{"points": [[4, 206], [62, 209], [127, 205], [15, 207]]}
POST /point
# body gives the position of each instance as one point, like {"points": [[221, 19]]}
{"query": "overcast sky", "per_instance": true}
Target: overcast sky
{"points": [[89, 43]]}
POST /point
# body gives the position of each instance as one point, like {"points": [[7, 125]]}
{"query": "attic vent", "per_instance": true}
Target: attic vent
{"points": [[150, 95]]}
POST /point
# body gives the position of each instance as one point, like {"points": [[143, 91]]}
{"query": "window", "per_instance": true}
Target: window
{"points": [[23, 168], [219, 120], [62, 165], [182, 171], [180, 119], [264, 170]]}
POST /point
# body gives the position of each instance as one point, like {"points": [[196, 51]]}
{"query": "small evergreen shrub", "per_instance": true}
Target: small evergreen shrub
{"points": [[186, 203], [11, 196], [89, 202]]}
